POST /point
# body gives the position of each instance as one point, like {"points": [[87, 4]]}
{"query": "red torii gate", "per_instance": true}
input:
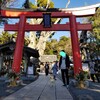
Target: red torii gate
{"points": [[72, 26]]}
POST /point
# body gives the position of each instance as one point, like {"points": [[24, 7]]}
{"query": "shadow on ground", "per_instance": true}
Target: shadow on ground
{"points": [[5, 90], [90, 93]]}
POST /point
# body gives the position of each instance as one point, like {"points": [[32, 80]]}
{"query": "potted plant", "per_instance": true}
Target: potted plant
{"points": [[81, 78], [13, 78]]}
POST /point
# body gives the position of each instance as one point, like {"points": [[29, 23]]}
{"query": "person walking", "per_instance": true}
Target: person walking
{"points": [[46, 68], [54, 69], [64, 64], [92, 72]]}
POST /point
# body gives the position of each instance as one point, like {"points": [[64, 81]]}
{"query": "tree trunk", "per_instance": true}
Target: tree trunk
{"points": [[41, 45], [32, 38]]}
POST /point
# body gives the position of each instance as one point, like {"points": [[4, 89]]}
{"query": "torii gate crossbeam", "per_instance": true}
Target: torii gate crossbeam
{"points": [[55, 27], [72, 26]]}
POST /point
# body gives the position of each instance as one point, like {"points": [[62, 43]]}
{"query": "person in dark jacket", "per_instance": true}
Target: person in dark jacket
{"points": [[64, 64], [46, 68]]}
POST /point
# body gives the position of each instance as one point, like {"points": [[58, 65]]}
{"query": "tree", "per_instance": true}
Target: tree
{"points": [[65, 44], [42, 35], [53, 46], [4, 4], [95, 20], [26, 4], [90, 41], [5, 37]]}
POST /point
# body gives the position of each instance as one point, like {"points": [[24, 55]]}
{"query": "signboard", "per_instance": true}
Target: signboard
{"points": [[30, 70]]}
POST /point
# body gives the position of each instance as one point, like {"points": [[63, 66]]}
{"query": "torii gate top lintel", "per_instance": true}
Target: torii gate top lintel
{"points": [[37, 13]]}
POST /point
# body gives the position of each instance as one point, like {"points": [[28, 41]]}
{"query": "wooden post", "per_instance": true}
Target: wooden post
{"points": [[75, 45], [19, 45]]}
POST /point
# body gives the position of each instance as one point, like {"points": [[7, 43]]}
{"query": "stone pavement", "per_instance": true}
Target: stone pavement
{"points": [[42, 89]]}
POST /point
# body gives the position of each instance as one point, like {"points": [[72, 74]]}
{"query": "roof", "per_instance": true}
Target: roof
{"points": [[10, 46], [31, 52]]}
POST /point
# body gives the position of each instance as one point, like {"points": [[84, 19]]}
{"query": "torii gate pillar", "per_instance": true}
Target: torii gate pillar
{"points": [[19, 45], [75, 45]]}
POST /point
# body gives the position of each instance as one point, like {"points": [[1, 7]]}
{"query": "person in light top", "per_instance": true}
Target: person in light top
{"points": [[64, 64]]}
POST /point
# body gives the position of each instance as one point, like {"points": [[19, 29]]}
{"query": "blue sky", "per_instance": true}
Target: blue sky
{"points": [[74, 3]]}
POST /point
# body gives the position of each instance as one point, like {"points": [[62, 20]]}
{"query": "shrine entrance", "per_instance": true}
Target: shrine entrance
{"points": [[73, 26]]}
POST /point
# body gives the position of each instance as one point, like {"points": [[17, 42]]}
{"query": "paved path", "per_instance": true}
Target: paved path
{"points": [[42, 89]]}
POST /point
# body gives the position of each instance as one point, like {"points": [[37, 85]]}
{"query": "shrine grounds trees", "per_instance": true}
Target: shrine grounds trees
{"points": [[95, 20], [54, 46], [96, 30], [5, 37], [91, 39]]}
